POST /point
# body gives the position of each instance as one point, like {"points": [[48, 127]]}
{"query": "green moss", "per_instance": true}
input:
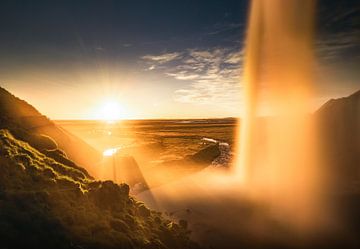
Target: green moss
{"points": [[41, 142], [48, 203]]}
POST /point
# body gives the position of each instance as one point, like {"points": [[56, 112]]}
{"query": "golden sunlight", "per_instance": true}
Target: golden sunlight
{"points": [[110, 110], [110, 152]]}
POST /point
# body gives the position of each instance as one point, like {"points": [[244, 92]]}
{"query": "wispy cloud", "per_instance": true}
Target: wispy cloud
{"points": [[339, 34], [332, 46], [211, 75], [155, 60], [162, 58], [220, 28]]}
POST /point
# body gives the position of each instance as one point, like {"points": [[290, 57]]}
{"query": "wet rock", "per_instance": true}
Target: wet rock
{"points": [[206, 155]]}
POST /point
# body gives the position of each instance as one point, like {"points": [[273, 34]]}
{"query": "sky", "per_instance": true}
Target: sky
{"points": [[153, 59]]}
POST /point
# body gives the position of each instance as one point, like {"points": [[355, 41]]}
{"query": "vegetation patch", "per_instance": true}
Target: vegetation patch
{"points": [[48, 203]]}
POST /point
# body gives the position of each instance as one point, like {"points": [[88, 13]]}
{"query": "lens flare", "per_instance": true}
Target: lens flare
{"points": [[110, 152], [110, 111]]}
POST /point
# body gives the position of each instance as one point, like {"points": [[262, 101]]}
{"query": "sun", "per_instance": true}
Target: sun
{"points": [[111, 110]]}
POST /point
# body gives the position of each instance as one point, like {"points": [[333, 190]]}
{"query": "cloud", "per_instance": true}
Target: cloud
{"points": [[220, 28], [163, 58], [183, 76], [332, 47], [211, 76], [154, 61], [339, 34]]}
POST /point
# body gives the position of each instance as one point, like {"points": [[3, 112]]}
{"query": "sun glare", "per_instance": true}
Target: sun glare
{"points": [[111, 111], [110, 152]]}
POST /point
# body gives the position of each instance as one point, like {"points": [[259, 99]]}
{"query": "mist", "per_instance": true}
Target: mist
{"points": [[276, 192]]}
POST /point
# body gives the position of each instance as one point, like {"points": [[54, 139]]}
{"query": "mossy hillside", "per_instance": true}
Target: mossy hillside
{"points": [[27, 124], [46, 204], [40, 142]]}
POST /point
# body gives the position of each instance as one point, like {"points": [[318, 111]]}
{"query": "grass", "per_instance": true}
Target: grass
{"points": [[47, 204]]}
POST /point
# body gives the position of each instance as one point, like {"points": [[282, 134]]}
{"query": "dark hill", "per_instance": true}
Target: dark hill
{"points": [[46, 204], [339, 121], [29, 125], [48, 201]]}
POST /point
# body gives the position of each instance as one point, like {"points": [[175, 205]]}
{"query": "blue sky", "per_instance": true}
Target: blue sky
{"points": [[157, 58]]}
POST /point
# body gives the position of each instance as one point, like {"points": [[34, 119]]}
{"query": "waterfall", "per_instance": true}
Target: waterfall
{"points": [[277, 155]]}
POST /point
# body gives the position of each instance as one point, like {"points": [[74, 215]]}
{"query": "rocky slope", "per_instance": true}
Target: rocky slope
{"points": [[29, 125], [339, 124], [48, 201]]}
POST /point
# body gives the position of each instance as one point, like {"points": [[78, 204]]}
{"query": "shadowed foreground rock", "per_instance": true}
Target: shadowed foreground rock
{"points": [[28, 124], [47, 204]]}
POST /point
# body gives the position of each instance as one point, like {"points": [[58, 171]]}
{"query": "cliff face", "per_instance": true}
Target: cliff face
{"points": [[27, 124], [48, 201], [339, 124]]}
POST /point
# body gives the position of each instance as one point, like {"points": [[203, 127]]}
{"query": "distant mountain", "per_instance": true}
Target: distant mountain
{"points": [[28, 124], [339, 124]]}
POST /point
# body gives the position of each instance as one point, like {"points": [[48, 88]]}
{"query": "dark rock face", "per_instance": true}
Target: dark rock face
{"points": [[339, 124], [206, 155]]}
